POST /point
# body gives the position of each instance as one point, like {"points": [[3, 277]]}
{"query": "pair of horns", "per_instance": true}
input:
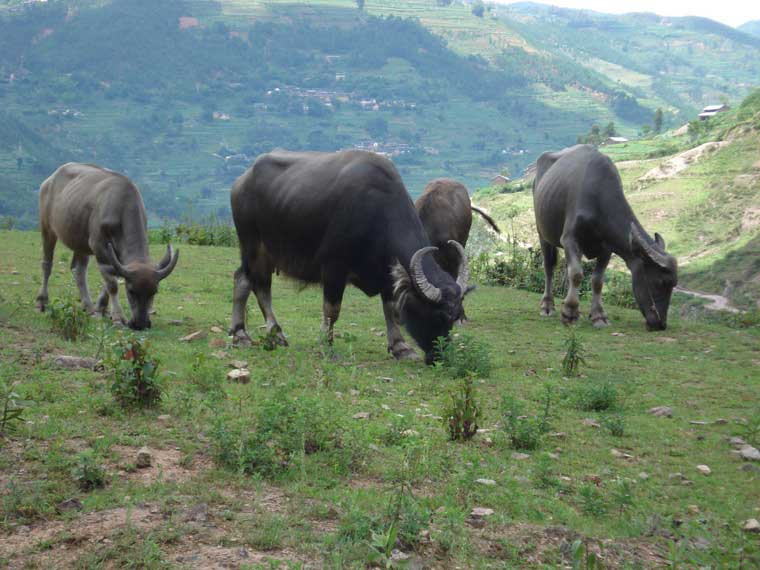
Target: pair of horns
{"points": [[656, 254], [163, 268], [420, 280]]}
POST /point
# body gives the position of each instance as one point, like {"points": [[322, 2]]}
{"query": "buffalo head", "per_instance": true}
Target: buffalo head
{"points": [[141, 283], [429, 311], [655, 274]]}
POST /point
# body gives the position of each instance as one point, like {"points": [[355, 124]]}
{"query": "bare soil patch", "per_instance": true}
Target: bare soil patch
{"points": [[166, 465], [680, 162]]}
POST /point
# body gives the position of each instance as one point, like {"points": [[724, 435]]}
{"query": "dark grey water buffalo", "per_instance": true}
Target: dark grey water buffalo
{"points": [[579, 205], [95, 211], [338, 218], [446, 214]]}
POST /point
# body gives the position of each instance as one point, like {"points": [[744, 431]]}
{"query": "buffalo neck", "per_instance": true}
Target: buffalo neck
{"points": [[132, 245]]}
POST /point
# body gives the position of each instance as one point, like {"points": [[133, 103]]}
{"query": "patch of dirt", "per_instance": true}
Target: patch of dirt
{"points": [[719, 302], [680, 162], [214, 557], [166, 465], [751, 218], [537, 544]]}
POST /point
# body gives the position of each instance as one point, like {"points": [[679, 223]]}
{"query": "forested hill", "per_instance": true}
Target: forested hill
{"points": [[182, 95], [752, 27]]}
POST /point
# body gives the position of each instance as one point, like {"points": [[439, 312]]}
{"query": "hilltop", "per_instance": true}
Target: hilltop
{"points": [[697, 186], [751, 27], [194, 90]]}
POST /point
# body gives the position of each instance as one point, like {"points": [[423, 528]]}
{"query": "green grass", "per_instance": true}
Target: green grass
{"points": [[324, 505]]}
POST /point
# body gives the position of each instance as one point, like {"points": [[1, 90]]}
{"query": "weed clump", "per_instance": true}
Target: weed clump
{"points": [[69, 319], [89, 472], [524, 432], [596, 397], [463, 413], [12, 407], [135, 382], [575, 353], [463, 355]]}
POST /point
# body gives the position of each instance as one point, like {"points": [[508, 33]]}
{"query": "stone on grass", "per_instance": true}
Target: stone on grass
{"points": [[398, 556], [662, 411], [591, 423], [677, 475], [164, 418], [239, 375], [704, 469], [751, 525], [217, 343], [699, 423], [520, 456], [620, 454], [197, 335], [144, 458], [73, 362], [481, 512], [410, 433], [216, 329], [72, 504], [487, 482], [749, 453], [238, 364], [737, 442], [361, 416], [643, 475]]}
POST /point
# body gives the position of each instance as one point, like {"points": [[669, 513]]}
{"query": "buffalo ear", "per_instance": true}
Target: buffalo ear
{"points": [[659, 241]]}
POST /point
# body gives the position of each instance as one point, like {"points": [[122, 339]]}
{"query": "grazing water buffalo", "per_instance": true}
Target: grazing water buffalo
{"points": [[579, 204], [337, 218], [446, 214], [95, 211]]}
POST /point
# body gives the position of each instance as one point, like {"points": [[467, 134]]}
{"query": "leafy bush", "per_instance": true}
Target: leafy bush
{"points": [[592, 500], [89, 472], [463, 355], [206, 377], [462, 414], [69, 319], [615, 424], [134, 373], [596, 397], [205, 232], [574, 353], [12, 407], [281, 430], [524, 432]]}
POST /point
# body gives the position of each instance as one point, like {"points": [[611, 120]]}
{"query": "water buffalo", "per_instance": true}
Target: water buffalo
{"points": [[579, 205], [95, 211], [338, 218], [446, 214]]}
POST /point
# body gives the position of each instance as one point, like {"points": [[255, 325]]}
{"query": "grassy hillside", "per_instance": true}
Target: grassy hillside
{"points": [[367, 446], [193, 91], [708, 212], [752, 27]]}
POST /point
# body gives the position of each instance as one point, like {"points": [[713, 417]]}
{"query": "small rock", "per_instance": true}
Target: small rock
{"points": [[558, 435], [398, 556], [217, 343], [699, 423], [662, 411], [410, 433], [177, 322], [721, 421], [385, 378], [242, 553], [565, 479], [240, 375], [354, 392], [72, 504], [687, 483], [749, 467], [216, 330], [144, 458], [74, 362], [14, 272], [591, 423], [704, 469], [643, 475], [481, 512], [693, 509], [618, 334], [751, 525], [620, 455], [749, 453], [678, 476], [238, 364], [520, 456], [737, 442], [362, 416], [552, 456], [197, 335], [198, 513], [164, 418], [487, 482]]}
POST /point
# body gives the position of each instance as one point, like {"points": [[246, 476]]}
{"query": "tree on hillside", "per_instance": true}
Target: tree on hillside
{"points": [[609, 130], [478, 8], [658, 121]]}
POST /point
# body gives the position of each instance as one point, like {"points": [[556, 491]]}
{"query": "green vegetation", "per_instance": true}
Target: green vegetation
{"points": [[133, 370], [68, 318], [304, 465]]}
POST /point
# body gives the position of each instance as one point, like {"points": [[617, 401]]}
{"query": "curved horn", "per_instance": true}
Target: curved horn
{"points": [[165, 271], [659, 241], [463, 274], [430, 291], [649, 250], [114, 261], [166, 258]]}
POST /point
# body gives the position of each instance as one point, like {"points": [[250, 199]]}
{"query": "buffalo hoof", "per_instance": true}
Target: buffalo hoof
{"points": [[547, 308], [570, 316], [40, 303], [599, 321], [402, 351], [241, 338]]}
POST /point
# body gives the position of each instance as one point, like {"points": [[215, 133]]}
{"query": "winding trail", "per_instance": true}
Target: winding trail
{"points": [[719, 302]]}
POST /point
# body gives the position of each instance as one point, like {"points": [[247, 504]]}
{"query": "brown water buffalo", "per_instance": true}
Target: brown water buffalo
{"points": [[95, 211], [445, 210], [338, 218], [580, 206]]}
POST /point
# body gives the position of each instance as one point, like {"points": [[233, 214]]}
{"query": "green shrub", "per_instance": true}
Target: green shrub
{"points": [[206, 377], [575, 352], [134, 373], [544, 476], [463, 355], [11, 406], [524, 432], [89, 473], [615, 424], [596, 397], [68, 319], [462, 414], [592, 500]]}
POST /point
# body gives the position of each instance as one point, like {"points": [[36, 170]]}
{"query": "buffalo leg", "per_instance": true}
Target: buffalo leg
{"points": [[332, 298], [79, 265], [48, 248], [240, 294], [260, 281], [396, 345], [598, 316], [101, 305], [550, 261], [111, 286], [571, 304]]}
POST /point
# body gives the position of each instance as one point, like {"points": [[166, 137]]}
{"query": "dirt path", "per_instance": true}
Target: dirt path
{"points": [[675, 164], [719, 302]]}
